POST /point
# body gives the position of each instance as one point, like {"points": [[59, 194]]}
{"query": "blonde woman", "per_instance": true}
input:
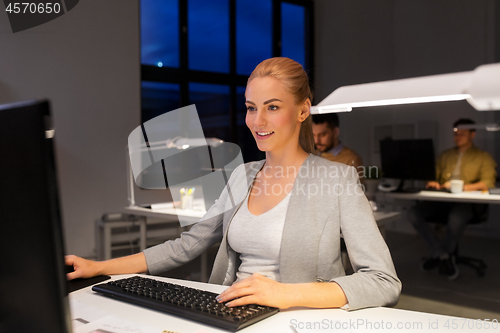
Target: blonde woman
{"points": [[282, 239]]}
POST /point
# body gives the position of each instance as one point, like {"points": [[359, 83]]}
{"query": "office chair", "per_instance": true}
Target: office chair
{"points": [[480, 214]]}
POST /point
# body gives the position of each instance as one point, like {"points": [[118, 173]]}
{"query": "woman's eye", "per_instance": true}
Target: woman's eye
{"points": [[250, 108], [273, 107]]}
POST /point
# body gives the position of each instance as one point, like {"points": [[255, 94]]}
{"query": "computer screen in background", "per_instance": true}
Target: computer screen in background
{"points": [[408, 160], [33, 290]]}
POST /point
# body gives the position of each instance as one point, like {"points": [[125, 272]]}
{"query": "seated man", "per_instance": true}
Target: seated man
{"points": [[326, 133], [477, 169]]}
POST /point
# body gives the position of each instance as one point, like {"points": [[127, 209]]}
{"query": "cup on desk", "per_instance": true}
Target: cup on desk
{"points": [[187, 202], [456, 186], [187, 198]]}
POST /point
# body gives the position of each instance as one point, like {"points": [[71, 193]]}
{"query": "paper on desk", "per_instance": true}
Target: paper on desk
{"points": [[167, 207], [113, 324], [162, 206], [82, 314]]}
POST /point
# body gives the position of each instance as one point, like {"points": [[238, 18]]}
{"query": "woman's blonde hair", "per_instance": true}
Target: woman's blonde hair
{"points": [[296, 82]]}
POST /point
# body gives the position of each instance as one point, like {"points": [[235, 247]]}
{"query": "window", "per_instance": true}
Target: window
{"points": [[160, 33], [201, 52], [212, 102], [208, 35], [293, 32], [254, 22], [158, 98]]}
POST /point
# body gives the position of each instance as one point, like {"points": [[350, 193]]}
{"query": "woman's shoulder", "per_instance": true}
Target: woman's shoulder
{"points": [[318, 161], [254, 165], [246, 170], [321, 169]]}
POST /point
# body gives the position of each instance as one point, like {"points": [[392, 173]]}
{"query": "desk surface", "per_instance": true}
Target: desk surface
{"points": [[354, 321], [471, 197], [162, 210], [168, 210]]}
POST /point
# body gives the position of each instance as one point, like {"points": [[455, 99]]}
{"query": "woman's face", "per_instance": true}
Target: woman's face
{"points": [[272, 115]]}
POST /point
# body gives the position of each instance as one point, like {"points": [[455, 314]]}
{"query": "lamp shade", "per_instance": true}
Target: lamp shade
{"points": [[481, 88], [484, 88]]}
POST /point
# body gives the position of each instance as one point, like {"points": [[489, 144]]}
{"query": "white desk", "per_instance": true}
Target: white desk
{"points": [[167, 209], [471, 197], [386, 318]]}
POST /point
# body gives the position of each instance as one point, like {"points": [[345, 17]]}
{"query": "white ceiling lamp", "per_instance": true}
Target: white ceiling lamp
{"points": [[480, 87], [490, 127]]}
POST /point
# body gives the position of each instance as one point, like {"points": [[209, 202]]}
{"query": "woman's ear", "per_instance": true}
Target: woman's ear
{"points": [[305, 110]]}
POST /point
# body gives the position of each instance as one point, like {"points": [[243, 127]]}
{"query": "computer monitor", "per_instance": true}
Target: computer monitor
{"points": [[408, 160], [33, 291]]}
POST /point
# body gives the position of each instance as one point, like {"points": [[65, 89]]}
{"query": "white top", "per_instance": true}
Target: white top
{"points": [[258, 240]]}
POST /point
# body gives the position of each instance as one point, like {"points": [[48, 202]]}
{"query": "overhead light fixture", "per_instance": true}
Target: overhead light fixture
{"points": [[490, 127], [480, 87]]}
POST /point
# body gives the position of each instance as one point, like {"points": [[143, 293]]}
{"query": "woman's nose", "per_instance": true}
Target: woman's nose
{"points": [[260, 118]]}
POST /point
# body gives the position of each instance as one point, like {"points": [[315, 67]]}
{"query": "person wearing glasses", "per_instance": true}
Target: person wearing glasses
{"points": [[477, 169]]}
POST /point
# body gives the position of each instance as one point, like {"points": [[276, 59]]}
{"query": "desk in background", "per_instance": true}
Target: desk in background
{"points": [[470, 197], [354, 321], [402, 202]]}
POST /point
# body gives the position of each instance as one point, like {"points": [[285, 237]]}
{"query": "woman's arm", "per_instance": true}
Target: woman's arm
{"points": [[258, 289], [84, 268], [164, 256], [374, 282]]}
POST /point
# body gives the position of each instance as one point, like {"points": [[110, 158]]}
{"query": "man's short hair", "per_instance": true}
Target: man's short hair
{"points": [[330, 118], [464, 121]]}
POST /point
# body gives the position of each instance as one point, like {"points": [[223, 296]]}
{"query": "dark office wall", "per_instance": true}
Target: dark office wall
{"points": [[443, 36], [358, 41], [353, 43], [87, 63]]}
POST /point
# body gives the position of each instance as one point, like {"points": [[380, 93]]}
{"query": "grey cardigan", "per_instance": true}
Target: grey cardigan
{"points": [[326, 202]]}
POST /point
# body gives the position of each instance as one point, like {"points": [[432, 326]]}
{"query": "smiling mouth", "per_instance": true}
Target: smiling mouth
{"points": [[264, 134]]}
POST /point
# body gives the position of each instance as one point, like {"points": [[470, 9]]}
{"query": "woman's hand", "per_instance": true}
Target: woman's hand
{"points": [[257, 289], [135, 263], [83, 268]]}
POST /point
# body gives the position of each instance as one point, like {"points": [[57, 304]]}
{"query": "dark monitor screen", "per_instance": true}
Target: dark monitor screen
{"points": [[33, 291], [408, 159]]}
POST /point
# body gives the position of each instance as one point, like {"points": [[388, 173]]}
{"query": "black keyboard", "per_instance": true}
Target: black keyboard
{"points": [[187, 302], [444, 190]]}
